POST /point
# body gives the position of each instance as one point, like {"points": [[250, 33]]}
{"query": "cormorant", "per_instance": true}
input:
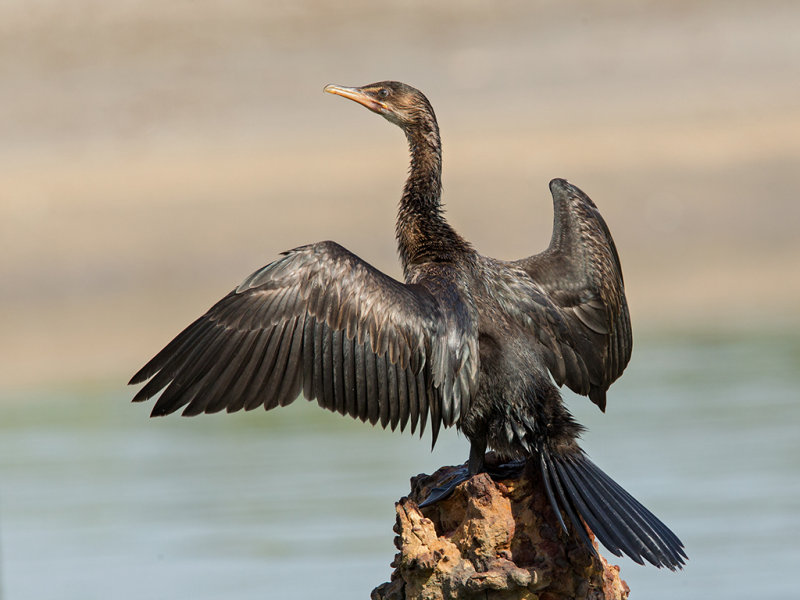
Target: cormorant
{"points": [[466, 340]]}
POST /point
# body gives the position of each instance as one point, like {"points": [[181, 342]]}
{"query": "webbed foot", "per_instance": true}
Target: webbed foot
{"points": [[441, 492], [508, 470]]}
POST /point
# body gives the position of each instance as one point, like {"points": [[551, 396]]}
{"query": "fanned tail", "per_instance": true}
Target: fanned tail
{"points": [[576, 486]]}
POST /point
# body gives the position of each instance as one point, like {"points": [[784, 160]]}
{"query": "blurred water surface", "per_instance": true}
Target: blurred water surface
{"points": [[98, 501]]}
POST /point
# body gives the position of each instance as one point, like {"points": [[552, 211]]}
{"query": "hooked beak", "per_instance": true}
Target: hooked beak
{"points": [[357, 95]]}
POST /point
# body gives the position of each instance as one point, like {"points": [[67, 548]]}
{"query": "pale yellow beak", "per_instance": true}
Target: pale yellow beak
{"points": [[356, 95]]}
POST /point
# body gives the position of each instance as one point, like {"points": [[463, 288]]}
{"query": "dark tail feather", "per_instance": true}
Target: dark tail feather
{"points": [[577, 486]]}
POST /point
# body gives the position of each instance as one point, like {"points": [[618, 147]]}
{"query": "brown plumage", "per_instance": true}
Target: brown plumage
{"points": [[466, 340]]}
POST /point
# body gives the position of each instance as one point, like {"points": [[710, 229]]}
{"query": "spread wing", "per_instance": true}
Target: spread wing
{"points": [[580, 273], [322, 321]]}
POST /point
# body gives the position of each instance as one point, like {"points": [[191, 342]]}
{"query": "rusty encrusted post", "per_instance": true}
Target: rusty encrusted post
{"points": [[491, 541]]}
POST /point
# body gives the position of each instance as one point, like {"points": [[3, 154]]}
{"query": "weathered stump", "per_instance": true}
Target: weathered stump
{"points": [[491, 541]]}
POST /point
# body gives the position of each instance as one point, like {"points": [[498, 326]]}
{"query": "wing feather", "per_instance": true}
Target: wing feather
{"points": [[403, 403], [243, 389], [349, 375], [392, 392]]}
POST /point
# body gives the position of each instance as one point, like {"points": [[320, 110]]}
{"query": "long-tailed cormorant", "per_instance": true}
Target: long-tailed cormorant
{"points": [[466, 340]]}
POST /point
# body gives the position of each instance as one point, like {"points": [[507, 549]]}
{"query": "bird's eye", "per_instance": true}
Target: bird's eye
{"points": [[384, 93]]}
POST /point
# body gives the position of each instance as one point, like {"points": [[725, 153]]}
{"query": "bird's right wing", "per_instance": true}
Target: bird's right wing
{"points": [[580, 273], [322, 321]]}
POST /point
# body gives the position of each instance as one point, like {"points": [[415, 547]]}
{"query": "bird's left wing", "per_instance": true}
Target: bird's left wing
{"points": [[322, 321], [586, 315]]}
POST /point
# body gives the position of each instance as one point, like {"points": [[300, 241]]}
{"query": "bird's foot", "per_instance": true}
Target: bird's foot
{"points": [[440, 492], [508, 470]]}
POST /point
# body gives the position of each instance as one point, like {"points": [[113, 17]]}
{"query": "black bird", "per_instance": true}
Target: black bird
{"points": [[467, 340]]}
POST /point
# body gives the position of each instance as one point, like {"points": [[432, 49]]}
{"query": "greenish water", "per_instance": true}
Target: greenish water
{"points": [[99, 502]]}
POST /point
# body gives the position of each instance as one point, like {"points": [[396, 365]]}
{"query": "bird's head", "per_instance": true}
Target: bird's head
{"points": [[399, 103]]}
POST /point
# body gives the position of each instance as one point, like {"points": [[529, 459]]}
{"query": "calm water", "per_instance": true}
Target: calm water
{"points": [[99, 502]]}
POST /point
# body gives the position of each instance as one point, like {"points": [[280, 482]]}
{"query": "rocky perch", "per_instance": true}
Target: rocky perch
{"points": [[491, 541]]}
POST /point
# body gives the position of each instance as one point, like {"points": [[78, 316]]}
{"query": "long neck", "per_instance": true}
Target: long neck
{"points": [[423, 235]]}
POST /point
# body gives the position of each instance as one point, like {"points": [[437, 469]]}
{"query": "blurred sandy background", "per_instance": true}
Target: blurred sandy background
{"points": [[153, 154]]}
